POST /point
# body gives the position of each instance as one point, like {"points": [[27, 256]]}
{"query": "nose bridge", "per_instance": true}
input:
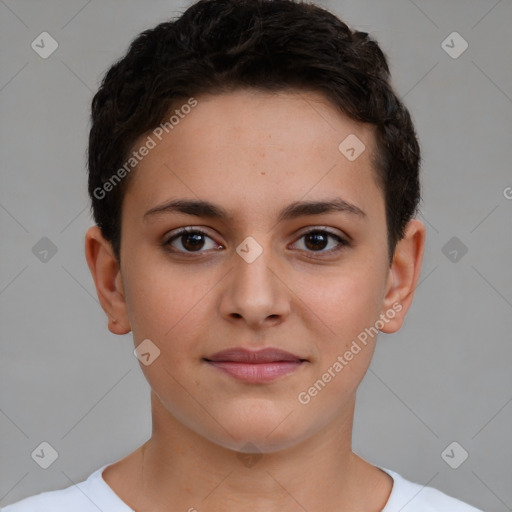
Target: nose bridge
{"points": [[253, 270], [255, 293]]}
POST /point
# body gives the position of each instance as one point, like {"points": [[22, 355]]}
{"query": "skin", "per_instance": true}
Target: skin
{"points": [[253, 153]]}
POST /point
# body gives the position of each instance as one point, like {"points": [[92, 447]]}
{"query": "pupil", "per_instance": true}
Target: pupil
{"points": [[319, 241], [197, 242]]}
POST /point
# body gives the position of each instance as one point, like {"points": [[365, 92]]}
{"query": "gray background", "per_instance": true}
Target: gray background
{"points": [[444, 377]]}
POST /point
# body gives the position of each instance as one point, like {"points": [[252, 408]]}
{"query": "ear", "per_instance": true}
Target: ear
{"points": [[108, 280], [403, 276]]}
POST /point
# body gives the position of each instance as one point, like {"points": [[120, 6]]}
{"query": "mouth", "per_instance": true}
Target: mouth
{"points": [[255, 366]]}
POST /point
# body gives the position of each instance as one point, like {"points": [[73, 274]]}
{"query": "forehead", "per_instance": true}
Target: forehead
{"points": [[255, 118], [251, 149]]}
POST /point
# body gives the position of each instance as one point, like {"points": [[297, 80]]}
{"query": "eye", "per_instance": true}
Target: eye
{"points": [[189, 240], [316, 240], [193, 240]]}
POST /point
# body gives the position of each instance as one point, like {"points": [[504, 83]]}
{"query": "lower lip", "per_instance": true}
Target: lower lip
{"points": [[257, 372]]}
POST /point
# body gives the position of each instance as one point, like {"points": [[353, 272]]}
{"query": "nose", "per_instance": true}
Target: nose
{"points": [[255, 293]]}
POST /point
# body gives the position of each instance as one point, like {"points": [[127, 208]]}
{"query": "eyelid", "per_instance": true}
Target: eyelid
{"points": [[185, 230], [175, 234], [327, 229]]}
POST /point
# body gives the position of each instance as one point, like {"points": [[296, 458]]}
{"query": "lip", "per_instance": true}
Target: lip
{"points": [[255, 366], [243, 355]]}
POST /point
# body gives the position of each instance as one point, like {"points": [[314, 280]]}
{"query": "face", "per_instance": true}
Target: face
{"points": [[262, 266]]}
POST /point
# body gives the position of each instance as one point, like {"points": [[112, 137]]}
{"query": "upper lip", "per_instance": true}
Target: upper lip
{"points": [[242, 355]]}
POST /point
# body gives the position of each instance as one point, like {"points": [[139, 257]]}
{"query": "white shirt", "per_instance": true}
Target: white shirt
{"points": [[95, 494]]}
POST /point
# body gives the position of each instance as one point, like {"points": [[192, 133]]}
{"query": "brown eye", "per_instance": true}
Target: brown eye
{"points": [[190, 240], [318, 240]]}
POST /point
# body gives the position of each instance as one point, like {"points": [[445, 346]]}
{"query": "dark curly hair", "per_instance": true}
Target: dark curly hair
{"points": [[222, 45]]}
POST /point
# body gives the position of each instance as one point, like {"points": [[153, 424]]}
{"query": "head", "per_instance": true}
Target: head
{"points": [[274, 45], [246, 105]]}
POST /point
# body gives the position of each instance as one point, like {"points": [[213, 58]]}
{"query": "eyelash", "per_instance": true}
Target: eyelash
{"points": [[342, 243]]}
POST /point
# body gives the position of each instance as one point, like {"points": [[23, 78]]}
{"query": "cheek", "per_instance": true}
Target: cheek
{"points": [[347, 302], [160, 303], [349, 306]]}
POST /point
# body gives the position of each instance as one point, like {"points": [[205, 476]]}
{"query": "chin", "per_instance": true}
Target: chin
{"points": [[253, 433]]}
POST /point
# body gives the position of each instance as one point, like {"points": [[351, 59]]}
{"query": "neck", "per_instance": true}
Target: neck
{"points": [[180, 467]]}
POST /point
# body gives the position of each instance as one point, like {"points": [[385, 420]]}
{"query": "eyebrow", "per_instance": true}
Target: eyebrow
{"points": [[296, 209]]}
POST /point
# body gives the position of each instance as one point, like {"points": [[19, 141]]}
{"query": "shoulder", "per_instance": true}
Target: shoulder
{"points": [[56, 501], [90, 495], [408, 496]]}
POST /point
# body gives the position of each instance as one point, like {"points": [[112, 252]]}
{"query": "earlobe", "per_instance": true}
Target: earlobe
{"points": [[403, 275], [106, 274]]}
